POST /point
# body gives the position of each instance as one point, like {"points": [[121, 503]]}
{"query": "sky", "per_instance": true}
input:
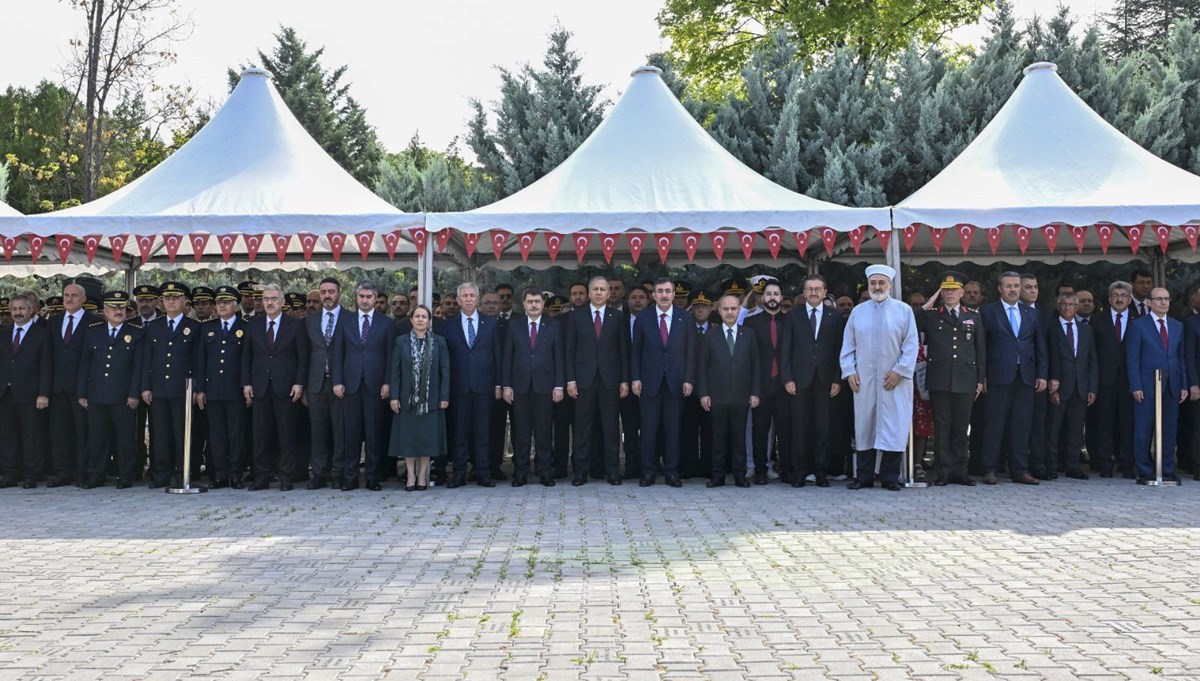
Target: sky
{"points": [[414, 65]]}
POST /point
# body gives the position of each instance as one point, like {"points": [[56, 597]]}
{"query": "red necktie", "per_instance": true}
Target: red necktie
{"points": [[662, 328], [17, 341], [1162, 333], [774, 345], [533, 335], [1118, 327], [271, 335], [1071, 337], [598, 325], [70, 329]]}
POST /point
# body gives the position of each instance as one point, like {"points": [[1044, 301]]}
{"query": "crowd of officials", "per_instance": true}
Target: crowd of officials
{"points": [[658, 382]]}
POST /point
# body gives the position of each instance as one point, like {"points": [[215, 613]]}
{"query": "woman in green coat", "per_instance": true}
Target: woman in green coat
{"points": [[419, 381]]}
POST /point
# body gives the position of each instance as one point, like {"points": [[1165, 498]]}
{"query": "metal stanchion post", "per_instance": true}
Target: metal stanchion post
{"points": [[1158, 435], [912, 464], [187, 449]]}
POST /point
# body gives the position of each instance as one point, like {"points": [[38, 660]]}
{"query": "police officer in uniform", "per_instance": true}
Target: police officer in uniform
{"points": [[955, 369], [110, 372], [170, 359], [218, 389], [202, 300], [146, 298], [202, 303]]}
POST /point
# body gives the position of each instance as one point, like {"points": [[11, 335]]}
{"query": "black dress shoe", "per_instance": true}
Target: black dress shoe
{"points": [[422, 488], [859, 484], [963, 480], [218, 484], [158, 484], [349, 486], [646, 482], [760, 478], [674, 482], [579, 480], [941, 482], [236, 483], [548, 481], [285, 487], [124, 484], [799, 482], [1142, 481], [519, 481], [891, 486], [822, 481], [614, 480], [1077, 475], [87, 484], [57, 482], [741, 482], [499, 476], [374, 486], [456, 483], [316, 483], [256, 486], [485, 482], [1173, 478], [410, 488], [715, 483]]}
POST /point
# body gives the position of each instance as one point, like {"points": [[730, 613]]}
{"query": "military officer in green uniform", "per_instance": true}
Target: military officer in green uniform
{"points": [[109, 385]]}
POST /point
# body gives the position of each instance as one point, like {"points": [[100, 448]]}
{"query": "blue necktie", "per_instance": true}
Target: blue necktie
{"points": [[470, 332], [224, 329], [1012, 321]]}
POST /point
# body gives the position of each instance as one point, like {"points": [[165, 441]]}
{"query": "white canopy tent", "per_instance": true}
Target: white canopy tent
{"points": [[8, 211]]}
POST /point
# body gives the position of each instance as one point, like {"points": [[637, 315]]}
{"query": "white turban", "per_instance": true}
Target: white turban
{"points": [[881, 269]]}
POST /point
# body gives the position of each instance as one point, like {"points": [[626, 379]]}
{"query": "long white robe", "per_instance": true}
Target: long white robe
{"points": [[881, 337]]}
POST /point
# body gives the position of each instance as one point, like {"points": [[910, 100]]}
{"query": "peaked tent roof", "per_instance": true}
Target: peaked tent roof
{"points": [[8, 211], [1048, 158], [649, 166], [252, 169]]}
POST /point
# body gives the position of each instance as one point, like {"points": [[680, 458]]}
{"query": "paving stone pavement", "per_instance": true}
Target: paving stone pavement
{"points": [[1068, 580]]}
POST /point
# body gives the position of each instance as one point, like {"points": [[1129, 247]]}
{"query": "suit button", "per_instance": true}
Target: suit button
{"points": [[222, 361], [170, 342], [166, 378], [221, 371], [107, 366], [955, 357], [106, 375], [222, 349]]}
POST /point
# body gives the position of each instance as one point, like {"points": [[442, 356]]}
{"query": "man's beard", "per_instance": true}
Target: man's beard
{"points": [[880, 296], [771, 305]]}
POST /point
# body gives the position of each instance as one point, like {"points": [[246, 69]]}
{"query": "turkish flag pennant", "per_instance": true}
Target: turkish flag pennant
{"points": [[65, 243], [1104, 232], [937, 235], [253, 243], [499, 236], [553, 243], [226, 242], [608, 245], [36, 244], [1079, 234], [747, 241], [337, 243], [1051, 234], [525, 244], [116, 244], [718, 244], [910, 237], [829, 238], [91, 244], [856, 237], [420, 237], [774, 239], [1164, 236], [470, 241], [663, 243], [1191, 232], [965, 234], [308, 243], [802, 243], [10, 245], [994, 234], [1023, 237], [282, 241], [884, 236], [443, 240], [635, 241], [364, 240], [391, 240], [691, 242], [199, 241], [582, 241], [1135, 236], [145, 246], [172, 242]]}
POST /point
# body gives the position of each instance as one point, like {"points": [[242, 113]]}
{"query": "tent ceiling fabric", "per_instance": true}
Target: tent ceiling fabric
{"points": [[1048, 158], [252, 169], [649, 166]]}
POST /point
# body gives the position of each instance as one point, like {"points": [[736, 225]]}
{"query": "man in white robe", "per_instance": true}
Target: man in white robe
{"points": [[879, 357]]}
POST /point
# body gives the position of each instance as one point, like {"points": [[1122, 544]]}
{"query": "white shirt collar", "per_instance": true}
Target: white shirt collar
{"points": [[1113, 314], [659, 313], [24, 328], [274, 319], [228, 321], [811, 309], [1016, 306], [335, 311], [537, 321], [112, 328], [727, 328], [598, 310], [174, 320], [1157, 317]]}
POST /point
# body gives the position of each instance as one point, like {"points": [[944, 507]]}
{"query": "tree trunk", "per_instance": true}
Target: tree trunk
{"points": [[91, 141]]}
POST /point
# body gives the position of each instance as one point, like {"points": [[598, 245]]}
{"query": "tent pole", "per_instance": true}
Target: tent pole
{"points": [[892, 258], [131, 279], [1158, 268]]}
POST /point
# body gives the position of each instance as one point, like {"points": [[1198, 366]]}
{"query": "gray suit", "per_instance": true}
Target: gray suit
{"points": [[326, 413]]}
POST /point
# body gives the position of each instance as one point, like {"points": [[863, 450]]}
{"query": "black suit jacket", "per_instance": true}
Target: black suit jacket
{"points": [[282, 365], [66, 356], [729, 379], [1191, 348], [1078, 371], [540, 369], [760, 324], [110, 372], [806, 359], [587, 359], [29, 373], [356, 363], [1110, 352], [319, 357], [219, 359], [170, 357]]}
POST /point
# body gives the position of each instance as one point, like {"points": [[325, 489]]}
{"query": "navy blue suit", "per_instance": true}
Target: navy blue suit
{"points": [[474, 377], [1144, 354], [662, 369], [1014, 364], [109, 376], [361, 365], [271, 369], [170, 359], [533, 373], [219, 377], [68, 437]]}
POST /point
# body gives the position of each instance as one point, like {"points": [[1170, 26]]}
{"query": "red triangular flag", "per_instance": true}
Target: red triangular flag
{"points": [[391, 240], [582, 241], [337, 242], [470, 241], [691, 241], [663, 243], [36, 244], [10, 245], [525, 244], [116, 244], [499, 237], [364, 241], [774, 241], [802, 243], [253, 243], [829, 238], [1191, 232], [856, 237], [553, 243], [937, 235], [308, 243], [1023, 236], [718, 244], [885, 238], [443, 240], [91, 244], [608, 244], [282, 241], [994, 234], [1079, 234], [747, 241], [145, 246], [965, 234], [172, 242], [65, 243], [1104, 232], [199, 241], [420, 236], [1164, 236], [1135, 236], [1051, 233], [226, 242], [635, 241], [910, 237]]}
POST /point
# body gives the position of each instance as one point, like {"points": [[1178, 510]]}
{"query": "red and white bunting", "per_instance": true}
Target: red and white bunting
{"points": [[1079, 234], [635, 242], [718, 244], [1135, 233], [965, 234], [145, 244], [525, 244], [1191, 232], [116, 244], [608, 246], [802, 243], [470, 241], [443, 240], [1163, 232], [226, 242], [582, 241], [10, 246], [774, 239], [308, 244], [420, 237], [993, 235], [391, 240], [553, 243], [282, 241], [937, 235], [65, 243], [884, 236], [856, 237], [1104, 232], [1051, 234], [337, 243], [1024, 234], [199, 241], [253, 243], [91, 244], [910, 237], [36, 244], [829, 238], [499, 237], [691, 242], [364, 241], [172, 242], [747, 241], [662, 242]]}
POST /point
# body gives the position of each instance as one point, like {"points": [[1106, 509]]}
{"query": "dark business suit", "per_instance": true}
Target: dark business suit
{"points": [[501, 410], [729, 380], [597, 367], [533, 372], [326, 413], [474, 377], [630, 408], [775, 404], [25, 375], [1014, 365], [1077, 371], [170, 360], [695, 446], [1039, 427], [219, 377], [110, 371], [271, 369], [361, 365], [1191, 348], [68, 433], [956, 362], [812, 362], [1114, 403], [662, 369], [1144, 354]]}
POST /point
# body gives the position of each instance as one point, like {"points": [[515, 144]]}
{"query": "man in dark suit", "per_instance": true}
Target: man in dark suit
{"points": [[811, 373], [146, 297], [361, 352], [596, 368], [219, 388], [1191, 348], [474, 385], [501, 410], [1074, 380], [532, 376], [68, 436], [170, 360], [631, 409], [26, 371], [1155, 342], [108, 384], [1016, 372], [1114, 403], [273, 373], [695, 446], [661, 369], [730, 380], [773, 413], [326, 413]]}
